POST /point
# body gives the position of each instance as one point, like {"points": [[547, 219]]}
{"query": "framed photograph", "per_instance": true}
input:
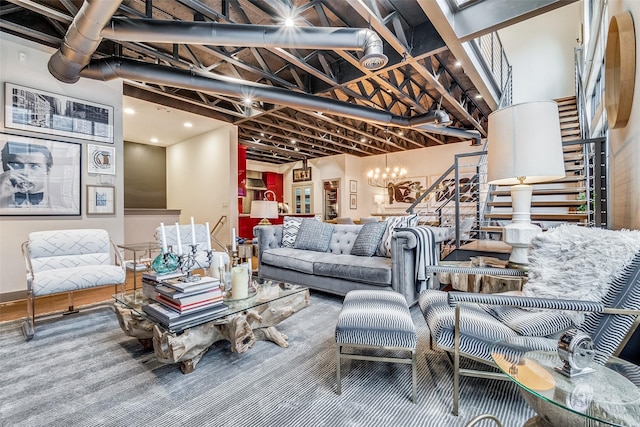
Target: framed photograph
{"points": [[101, 159], [101, 200], [45, 112], [39, 176], [353, 186], [353, 201], [302, 174]]}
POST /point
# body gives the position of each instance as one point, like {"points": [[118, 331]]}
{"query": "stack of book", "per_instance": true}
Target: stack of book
{"points": [[180, 302]]}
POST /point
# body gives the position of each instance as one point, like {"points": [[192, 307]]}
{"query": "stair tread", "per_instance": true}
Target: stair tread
{"points": [[542, 203], [543, 192], [570, 217]]}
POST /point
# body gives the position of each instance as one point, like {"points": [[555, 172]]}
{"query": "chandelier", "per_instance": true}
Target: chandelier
{"points": [[383, 177]]}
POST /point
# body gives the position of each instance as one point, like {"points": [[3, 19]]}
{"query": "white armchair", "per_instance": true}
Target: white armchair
{"points": [[65, 261]]}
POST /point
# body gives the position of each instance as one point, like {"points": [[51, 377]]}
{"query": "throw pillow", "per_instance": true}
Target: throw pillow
{"points": [[314, 235], [290, 228], [384, 249], [368, 239]]}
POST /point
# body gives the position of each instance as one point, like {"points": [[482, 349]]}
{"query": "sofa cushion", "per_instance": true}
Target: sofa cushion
{"points": [[290, 259], [374, 270], [343, 238], [384, 249], [290, 228], [368, 239], [314, 235]]}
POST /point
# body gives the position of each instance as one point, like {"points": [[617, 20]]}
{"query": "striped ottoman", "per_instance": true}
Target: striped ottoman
{"points": [[376, 320]]}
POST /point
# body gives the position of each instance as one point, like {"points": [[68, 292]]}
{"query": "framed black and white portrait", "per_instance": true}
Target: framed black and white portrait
{"points": [[39, 176], [45, 112]]}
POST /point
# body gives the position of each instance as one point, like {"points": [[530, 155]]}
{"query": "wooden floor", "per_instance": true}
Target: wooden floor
{"points": [[60, 302]]}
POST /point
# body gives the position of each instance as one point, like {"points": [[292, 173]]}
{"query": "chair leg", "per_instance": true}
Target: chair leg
{"points": [[414, 374], [28, 327], [339, 379]]}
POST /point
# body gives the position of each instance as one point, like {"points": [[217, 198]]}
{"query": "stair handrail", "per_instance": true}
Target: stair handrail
{"points": [[581, 102], [221, 221]]}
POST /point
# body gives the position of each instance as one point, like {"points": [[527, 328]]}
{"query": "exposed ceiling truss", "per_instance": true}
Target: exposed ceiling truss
{"points": [[421, 74]]}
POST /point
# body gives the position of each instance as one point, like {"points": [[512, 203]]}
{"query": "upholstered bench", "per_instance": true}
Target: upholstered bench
{"points": [[378, 320]]}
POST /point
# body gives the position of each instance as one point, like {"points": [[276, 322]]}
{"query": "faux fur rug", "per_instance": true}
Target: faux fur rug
{"points": [[573, 262]]}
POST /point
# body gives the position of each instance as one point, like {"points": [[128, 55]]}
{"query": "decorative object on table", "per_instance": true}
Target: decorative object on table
{"points": [[45, 112], [101, 200], [101, 159], [525, 147], [52, 185], [265, 209], [382, 178], [576, 350]]}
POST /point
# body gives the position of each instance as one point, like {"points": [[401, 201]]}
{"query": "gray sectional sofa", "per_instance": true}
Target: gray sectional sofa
{"points": [[337, 271]]}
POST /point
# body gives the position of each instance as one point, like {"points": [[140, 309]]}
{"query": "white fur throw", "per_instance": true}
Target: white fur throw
{"points": [[573, 262]]}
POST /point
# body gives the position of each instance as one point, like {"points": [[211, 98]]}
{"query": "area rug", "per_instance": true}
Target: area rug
{"points": [[83, 371]]}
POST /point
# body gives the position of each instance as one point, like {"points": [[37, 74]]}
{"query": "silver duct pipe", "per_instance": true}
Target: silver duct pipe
{"points": [[266, 36], [84, 35], [82, 39], [109, 69]]}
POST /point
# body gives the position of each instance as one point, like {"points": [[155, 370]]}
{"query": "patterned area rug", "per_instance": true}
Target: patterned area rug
{"points": [[83, 371]]}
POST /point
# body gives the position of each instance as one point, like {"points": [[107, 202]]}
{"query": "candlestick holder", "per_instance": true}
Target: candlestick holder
{"points": [[235, 257], [189, 262]]}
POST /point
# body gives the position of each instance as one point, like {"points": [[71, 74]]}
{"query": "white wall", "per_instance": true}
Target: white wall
{"points": [[540, 51], [33, 73], [624, 157], [202, 178]]}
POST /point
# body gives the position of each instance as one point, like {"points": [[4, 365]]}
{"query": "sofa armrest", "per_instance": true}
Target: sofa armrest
{"points": [[268, 237]]}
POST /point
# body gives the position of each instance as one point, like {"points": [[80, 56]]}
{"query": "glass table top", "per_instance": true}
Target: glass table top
{"points": [[607, 395], [265, 293]]}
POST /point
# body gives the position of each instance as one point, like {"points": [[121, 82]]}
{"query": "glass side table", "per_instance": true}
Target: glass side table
{"points": [[606, 396], [141, 252]]}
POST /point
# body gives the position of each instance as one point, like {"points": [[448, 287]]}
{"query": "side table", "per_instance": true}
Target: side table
{"points": [[480, 274], [141, 251]]}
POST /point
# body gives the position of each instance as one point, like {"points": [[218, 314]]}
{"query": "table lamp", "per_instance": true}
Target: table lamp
{"points": [[525, 147], [379, 200], [264, 209]]}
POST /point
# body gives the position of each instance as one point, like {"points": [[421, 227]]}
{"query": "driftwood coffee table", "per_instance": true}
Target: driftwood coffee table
{"points": [[242, 323]]}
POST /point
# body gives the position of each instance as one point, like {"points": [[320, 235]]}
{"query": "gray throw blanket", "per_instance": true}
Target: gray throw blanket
{"points": [[426, 254]]}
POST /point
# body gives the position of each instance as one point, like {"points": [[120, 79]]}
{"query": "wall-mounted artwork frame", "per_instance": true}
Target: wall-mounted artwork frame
{"points": [[302, 174], [39, 176], [353, 201], [45, 112], [101, 200], [353, 186], [101, 159]]}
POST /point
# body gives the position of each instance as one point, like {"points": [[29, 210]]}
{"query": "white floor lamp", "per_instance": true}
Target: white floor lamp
{"points": [[525, 147]]}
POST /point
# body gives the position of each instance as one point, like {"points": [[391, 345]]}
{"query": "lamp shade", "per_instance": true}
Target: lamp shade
{"points": [[378, 198], [264, 209], [525, 141]]}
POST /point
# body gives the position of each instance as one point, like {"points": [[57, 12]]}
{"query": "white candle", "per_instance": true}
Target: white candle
{"points": [[208, 237], [178, 239], [233, 239], [193, 232], [239, 283], [164, 238]]}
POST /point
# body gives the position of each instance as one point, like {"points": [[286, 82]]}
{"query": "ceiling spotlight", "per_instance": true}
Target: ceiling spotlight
{"points": [[129, 111], [478, 96], [363, 139], [261, 133], [400, 132], [296, 149], [188, 124], [248, 102], [458, 64], [293, 141], [154, 140], [289, 22]]}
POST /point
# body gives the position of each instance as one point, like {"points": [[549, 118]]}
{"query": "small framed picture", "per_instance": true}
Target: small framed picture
{"points": [[101, 200], [353, 201], [101, 159], [300, 175], [353, 186]]}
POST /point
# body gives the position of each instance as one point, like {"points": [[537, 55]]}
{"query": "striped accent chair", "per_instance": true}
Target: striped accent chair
{"points": [[378, 320], [468, 324], [65, 261]]}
